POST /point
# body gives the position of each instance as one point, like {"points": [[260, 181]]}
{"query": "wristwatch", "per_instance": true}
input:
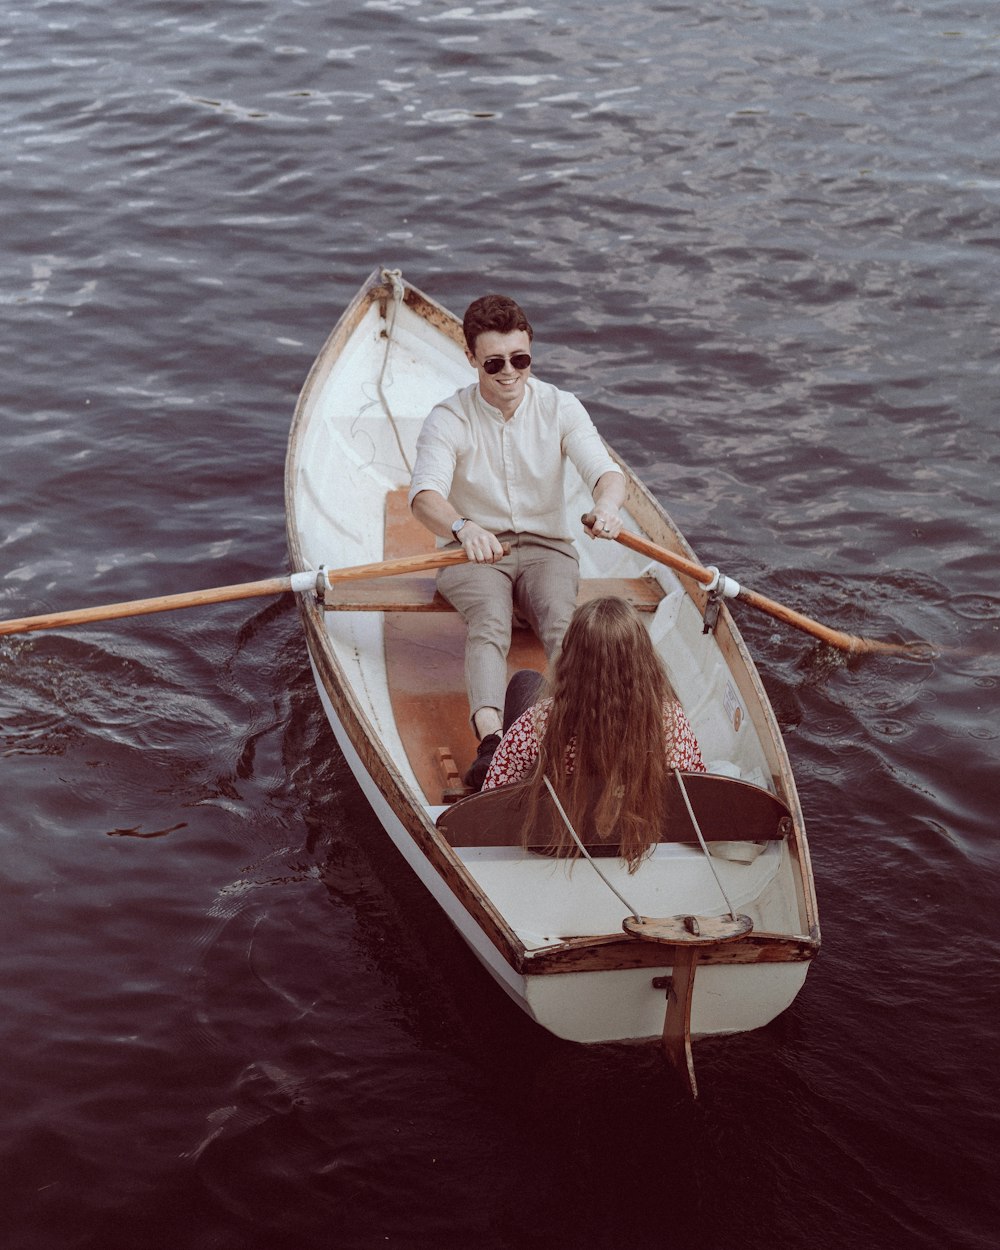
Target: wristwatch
{"points": [[457, 525]]}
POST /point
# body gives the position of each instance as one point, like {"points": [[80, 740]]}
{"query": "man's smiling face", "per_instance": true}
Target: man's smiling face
{"points": [[504, 390]]}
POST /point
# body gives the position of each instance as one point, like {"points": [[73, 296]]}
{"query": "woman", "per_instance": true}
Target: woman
{"points": [[607, 736]]}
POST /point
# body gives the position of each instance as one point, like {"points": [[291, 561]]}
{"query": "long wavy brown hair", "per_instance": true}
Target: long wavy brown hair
{"points": [[608, 690]]}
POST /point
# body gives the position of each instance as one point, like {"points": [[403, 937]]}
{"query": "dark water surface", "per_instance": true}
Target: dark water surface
{"points": [[762, 242]]}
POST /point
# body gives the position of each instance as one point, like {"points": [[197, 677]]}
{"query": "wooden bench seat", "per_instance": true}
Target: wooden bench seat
{"points": [[417, 592], [727, 810]]}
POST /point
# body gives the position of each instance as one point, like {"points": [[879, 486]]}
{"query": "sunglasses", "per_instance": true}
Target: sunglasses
{"points": [[519, 360]]}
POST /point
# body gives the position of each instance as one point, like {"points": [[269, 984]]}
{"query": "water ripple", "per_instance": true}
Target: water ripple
{"points": [[762, 244]]}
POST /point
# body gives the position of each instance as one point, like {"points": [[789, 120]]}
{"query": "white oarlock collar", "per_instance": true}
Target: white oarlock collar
{"points": [[720, 584], [306, 580]]}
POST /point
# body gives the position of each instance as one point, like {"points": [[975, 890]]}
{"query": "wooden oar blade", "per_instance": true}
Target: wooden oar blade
{"points": [[916, 649], [853, 644]]}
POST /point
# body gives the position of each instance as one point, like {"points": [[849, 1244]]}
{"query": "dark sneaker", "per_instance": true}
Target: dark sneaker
{"points": [[480, 766]]}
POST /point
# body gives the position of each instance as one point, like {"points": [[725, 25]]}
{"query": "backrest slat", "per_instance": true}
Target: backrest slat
{"points": [[727, 810]]}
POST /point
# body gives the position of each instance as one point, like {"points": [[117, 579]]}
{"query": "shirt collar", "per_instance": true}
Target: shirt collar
{"points": [[493, 411]]}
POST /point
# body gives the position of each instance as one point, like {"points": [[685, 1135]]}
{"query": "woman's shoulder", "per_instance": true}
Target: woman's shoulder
{"points": [[532, 720], [686, 749], [518, 749]]}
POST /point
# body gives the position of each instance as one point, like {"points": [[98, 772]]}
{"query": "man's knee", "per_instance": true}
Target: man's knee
{"points": [[549, 602], [476, 593]]}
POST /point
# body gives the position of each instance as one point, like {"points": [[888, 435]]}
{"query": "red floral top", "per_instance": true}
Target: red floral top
{"points": [[518, 748]]}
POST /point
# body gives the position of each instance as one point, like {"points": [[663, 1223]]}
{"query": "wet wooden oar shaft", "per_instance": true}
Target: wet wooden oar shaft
{"points": [[835, 637], [144, 607], [706, 576], [226, 594]]}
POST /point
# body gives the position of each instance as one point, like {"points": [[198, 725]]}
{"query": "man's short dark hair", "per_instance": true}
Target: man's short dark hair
{"points": [[493, 312]]}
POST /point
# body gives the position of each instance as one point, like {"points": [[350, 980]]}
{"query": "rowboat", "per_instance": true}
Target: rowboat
{"points": [[713, 934]]}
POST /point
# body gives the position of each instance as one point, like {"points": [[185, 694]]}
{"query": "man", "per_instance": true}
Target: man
{"points": [[489, 470]]}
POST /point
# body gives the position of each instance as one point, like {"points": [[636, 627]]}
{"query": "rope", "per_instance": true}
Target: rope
{"points": [[395, 277], [701, 839], [573, 834], [590, 859]]}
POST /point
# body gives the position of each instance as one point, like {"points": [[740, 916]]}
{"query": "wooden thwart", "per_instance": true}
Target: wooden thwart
{"points": [[405, 536], [420, 594]]}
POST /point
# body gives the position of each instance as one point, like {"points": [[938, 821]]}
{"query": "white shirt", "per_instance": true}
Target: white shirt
{"points": [[509, 475]]}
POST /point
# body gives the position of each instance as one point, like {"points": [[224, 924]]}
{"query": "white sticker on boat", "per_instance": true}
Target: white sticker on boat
{"points": [[733, 707]]}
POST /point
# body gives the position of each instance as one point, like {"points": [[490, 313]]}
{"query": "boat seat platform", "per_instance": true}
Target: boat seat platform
{"points": [[417, 592], [411, 592]]}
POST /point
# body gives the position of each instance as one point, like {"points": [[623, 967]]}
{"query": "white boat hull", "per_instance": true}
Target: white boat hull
{"points": [[468, 928]]}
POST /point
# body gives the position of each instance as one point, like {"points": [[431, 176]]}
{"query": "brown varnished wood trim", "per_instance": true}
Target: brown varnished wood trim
{"points": [[726, 809], [611, 953], [384, 773], [420, 594]]}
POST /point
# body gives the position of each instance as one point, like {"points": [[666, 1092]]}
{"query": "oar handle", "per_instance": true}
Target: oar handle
{"points": [[227, 594], [402, 564], [661, 554]]}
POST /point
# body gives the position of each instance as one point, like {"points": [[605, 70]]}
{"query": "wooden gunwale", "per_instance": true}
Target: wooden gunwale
{"points": [[349, 711], [612, 952], [660, 529], [606, 952]]}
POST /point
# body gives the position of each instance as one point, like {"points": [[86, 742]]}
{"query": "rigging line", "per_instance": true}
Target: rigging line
{"points": [[394, 276], [573, 834], [701, 839]]}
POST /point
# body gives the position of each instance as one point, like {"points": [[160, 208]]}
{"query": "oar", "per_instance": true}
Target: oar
{"points": [[916, 650], [245, 590]]}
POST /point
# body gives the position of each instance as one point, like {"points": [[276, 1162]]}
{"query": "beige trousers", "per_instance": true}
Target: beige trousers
{"points": [[537, 582]]}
